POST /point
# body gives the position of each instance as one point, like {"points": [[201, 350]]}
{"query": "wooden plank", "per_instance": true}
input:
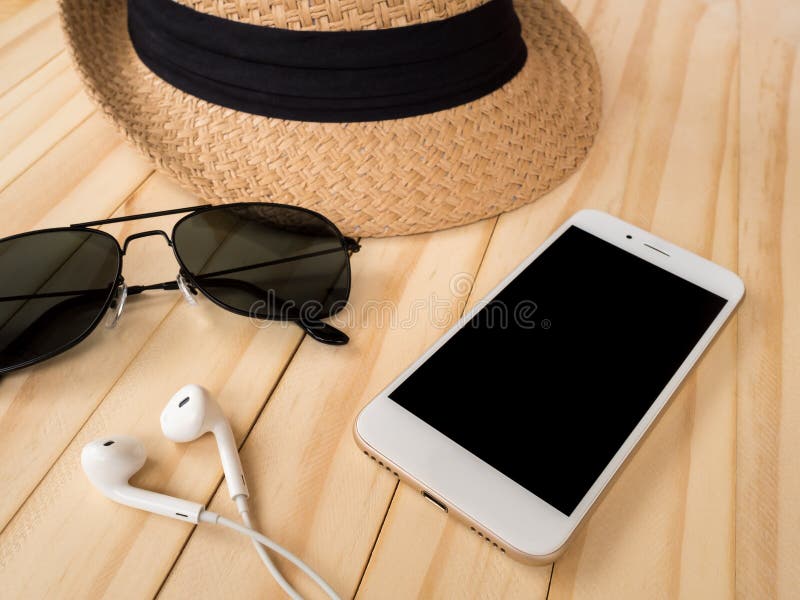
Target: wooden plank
{"points": [[665, 160], [25, 49], [27, 88], [26, 108], [768, 478], [40, 123], [23, 15], [74, 112], [312, 489], [8, 8]]}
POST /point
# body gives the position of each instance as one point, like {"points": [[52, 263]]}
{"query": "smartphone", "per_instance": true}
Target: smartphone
{"points": [[518, 417]]}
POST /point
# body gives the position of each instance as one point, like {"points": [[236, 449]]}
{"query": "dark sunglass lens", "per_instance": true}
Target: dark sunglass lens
{"points": [[54, 286], [269, 261]]}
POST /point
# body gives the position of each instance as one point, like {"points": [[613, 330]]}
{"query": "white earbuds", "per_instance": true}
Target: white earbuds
{"points": [[191, 413], [110, 462]]}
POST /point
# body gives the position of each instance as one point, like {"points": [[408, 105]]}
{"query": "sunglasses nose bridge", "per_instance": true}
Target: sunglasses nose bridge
{"points": [[143, 234], [118, 306], [186, 289]]}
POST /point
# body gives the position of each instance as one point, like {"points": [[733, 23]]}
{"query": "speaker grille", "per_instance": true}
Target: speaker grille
{"points": [[381, 465], [488, 539]]}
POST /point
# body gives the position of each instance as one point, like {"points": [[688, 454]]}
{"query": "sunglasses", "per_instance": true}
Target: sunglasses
{"points": [[261, 260]]}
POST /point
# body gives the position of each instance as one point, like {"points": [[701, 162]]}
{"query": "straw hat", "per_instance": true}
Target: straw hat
{"points": [[372, 178]]}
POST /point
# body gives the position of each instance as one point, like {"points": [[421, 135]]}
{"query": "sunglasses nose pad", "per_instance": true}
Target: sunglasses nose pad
{"points": [[118, 305], [186, 290]]}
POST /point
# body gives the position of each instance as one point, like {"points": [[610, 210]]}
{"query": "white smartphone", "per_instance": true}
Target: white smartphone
{"points": [[519, 416]]}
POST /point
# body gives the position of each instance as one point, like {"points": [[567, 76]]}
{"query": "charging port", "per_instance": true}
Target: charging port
{"points": [[430, 498]]}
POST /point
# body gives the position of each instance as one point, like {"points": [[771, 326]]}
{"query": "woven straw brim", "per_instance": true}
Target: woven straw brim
{"points": [[380, 178]]}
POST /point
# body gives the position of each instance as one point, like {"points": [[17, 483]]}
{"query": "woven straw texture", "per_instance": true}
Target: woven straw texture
{"points": [[382, 178]]}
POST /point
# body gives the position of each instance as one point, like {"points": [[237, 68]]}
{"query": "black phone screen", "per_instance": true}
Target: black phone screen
{"points": [[548, 379]]}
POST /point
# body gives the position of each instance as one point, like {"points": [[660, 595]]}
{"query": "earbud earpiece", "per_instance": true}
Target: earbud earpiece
{"points": [[110, 462], [191, 413]]}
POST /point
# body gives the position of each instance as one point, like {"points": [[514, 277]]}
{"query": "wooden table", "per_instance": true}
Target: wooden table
{"points": [[700, 143]]}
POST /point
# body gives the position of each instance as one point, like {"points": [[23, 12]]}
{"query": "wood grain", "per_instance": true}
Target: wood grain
{"points": [[19, 16], [11, 7], [76, 109], [700, 143], [31, 86], [768, 453], [28, 40]]}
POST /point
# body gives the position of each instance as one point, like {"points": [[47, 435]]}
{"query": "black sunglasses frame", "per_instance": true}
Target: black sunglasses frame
{"points": [[318, 330]]}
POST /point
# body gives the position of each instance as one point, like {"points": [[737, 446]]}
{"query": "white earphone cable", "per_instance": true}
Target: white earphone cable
{"points": [[244, 511], [207, 516]]}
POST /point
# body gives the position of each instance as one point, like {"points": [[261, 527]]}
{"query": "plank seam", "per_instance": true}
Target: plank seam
{"points": [[375, 541], [550, 581], [480, 265]]}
